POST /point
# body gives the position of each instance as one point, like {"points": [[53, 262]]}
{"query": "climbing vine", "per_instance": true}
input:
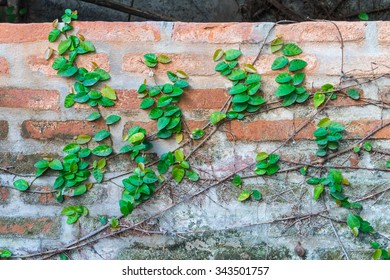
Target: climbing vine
{"points": [[87, 156]]}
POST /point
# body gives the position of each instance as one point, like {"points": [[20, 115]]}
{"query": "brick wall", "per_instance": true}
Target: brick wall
{"points": [[33, 122]]}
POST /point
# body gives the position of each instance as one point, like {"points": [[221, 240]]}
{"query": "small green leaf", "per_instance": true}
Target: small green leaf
{"points": [[354, 94], [237, 180], [298, 79], [276, 44], [136, 138], [101, 135], [53, 35], [353, 221], [217, 117], [162, 122], [218, 54], [261, 156], [179, 155], [146, 103], [102, 150], [178, 173], [71, 148], [56, 165], [291, 49], [94, 116], [318, 99], [363, 16], [256, 195], [111, 119], [279, 63], [284, 89], [244, 195], [283, 78], [150, 57], [318, 191], [325, 122], [64, 46], [239, 88], [108, 92], [377, 254], [21, 185], [102, 219], [98, 175], [163, 59], [72, 219], [297, 64], [192, 175], [67, 70], [237, 74], [59, 62], [197, 134], [83, 139], [232, 54], [5, 254]]}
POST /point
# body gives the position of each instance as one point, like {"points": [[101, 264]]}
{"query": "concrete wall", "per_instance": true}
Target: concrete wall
{"points": [[33, 122]]}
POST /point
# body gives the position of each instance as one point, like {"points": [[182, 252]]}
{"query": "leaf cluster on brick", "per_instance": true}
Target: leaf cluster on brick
{"points": [[327, 136]]}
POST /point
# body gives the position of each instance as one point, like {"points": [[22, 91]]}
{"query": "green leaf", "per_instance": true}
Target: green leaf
{"points": [[59, 62], [237, 180], [108, 92], [298, 79], [87, 46], [179, 155], [256, 195], [237, 74], [101, 135], [94, 116], [72, 219], [102, 150], [284, 89], [197, 134], [273, 158], [150, 57], [146, 103], [377, 254], [276, 44], [232, 54], [83, 139], [261, 156], [218, 54], [279, 63], [4, 254], [354, 94], [221, 66], [318, 191], [388, 164], [126, 207], [64, 45], [367, 146], [252, 78], [164, 101], [102, 73], [53, 35], [111, 119], [336, 127], [192, 175], [363, 16], [353, 221], [289, 99], [162, 122], [136, 138], [318, 99], [178, 173], [21, 185], [163, 59], [240, 98], [239, 88], [256, 100], [71, 148], [41, 164], [297, 64], [90, 79], [244, 195], [216, 117], [67, 70], [325, 122], [102, 219], [283, 78], [56, 165], [291, 49], [98, 175]]}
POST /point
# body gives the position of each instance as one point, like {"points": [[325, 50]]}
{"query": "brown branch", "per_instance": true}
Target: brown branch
{"points": [[129, 10]]}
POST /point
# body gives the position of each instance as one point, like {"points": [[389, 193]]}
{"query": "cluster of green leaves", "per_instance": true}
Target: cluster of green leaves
{"points": [[366, 146], [151, 59], [327, 136], [245, 194], [11, 14], [266, 164], [380, 252], [164, 109], [289, 89], [335, 182], [74, 213], [357, 224], [246, 83], [5, 254], [136, 137], [180, 167], [139, 186]]}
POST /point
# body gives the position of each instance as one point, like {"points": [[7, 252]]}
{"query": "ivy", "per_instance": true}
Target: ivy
{"points": [[380, 252], [327, 136], [266, 164], [74, 213], [5, 254]]}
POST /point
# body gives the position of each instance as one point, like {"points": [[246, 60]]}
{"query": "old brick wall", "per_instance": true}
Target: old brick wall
{"points": [[33, 122]]}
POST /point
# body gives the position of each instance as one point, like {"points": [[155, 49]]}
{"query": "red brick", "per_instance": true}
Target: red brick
{"points": [[127, 100], [215, 32], [37, 99], [192, 64], [4, 194], [59, 129], [383, 32], [203, 99], [119, 31], [322, 31], [3, 129], [40, 64], [262, 130], [20, 33], [359, 129], [32, 227], [4, 66]]}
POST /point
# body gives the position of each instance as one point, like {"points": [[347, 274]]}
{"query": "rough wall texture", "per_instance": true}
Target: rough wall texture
{"points": [[33, 122]]}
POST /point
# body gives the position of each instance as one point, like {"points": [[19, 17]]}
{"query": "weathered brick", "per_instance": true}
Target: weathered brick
{"points": [[262, 130], [192, 64], [37, 99], [3, 129], [40, 64], [127, 100], [20, 33], [59, 129], [29, 227], [4, 194], [119, 31], [358, 65], [359, 129], [4, 66], [322, 31], [151, 125], [216, 32], [203, 99], [386, 94], [383, 31]]}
